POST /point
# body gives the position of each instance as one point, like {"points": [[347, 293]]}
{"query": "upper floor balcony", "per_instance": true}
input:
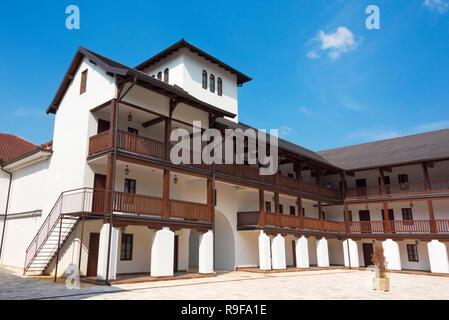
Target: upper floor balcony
{"points": [[149, 147]]}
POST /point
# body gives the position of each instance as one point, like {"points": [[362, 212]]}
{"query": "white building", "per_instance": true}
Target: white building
{"points": [[105, 185]]}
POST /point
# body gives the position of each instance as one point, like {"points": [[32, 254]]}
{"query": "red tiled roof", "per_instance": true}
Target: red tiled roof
{"points": [[47, 146], [12, 147]]}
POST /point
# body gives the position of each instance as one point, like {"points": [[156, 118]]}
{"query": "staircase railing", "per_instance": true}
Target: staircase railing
{"points": [[69, 202]]}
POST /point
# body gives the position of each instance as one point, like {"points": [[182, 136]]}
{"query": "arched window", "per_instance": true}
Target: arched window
{"points": [[166, 75], [212, 83], [219, 86], [159, 75], [204, 79]]}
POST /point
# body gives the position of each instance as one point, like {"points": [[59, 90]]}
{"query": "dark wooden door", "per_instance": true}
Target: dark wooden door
{"points": [[176, 253], [294, 252], [390, 217], [361, 187], [364, 217], [103, 125], [92, 260], [99, 197], [367, 252]]}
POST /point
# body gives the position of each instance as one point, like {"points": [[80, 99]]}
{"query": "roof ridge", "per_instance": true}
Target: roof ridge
{"points": [[20, 138], [382, 140]]}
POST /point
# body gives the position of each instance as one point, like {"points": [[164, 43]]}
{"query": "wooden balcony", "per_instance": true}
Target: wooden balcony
{"points": [[390, 190], [142, 205], [153, 148], [251, 219]]}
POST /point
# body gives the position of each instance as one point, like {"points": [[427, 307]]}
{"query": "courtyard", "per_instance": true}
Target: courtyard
{"points": [[319, 284]]}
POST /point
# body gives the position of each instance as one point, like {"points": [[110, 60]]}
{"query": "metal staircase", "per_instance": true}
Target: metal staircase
{"points": [[56, 229]]}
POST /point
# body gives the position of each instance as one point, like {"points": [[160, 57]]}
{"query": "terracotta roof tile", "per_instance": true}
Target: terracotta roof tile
{"points": [[12, 147]]}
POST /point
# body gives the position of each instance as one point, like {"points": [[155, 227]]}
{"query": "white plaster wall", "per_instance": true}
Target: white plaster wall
{"points": [[335, 252], [313, 260], [423, 256], [141, 255], [441, 209], [4, 183]]}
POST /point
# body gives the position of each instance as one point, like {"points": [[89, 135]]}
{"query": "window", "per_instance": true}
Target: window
{"points": [[403, 181], [159, 75], [292, 210], [133, 131], [407, 214], [212, 83], [126, 250], [219, 86], [130, 186], [281, 208], [412, 251], [204, 79], [268, 206], [350, 215], [290, 175], [166, 75], [83, 85], [303, 212]]}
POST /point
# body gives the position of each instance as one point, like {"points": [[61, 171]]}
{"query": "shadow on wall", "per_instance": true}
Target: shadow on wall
{"points": [[224, 243]]}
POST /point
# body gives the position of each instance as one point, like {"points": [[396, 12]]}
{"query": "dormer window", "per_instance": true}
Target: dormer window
{"points": [[166, 75], [159, 75], [204, 79], [212, 83], [219, 86], [83, 84]]}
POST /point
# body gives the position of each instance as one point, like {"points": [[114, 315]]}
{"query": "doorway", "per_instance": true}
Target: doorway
{"points": [[361, 188], [367, 252], [99, 198], [92, 260], [176, 253], [294, 252], [365, 225]]}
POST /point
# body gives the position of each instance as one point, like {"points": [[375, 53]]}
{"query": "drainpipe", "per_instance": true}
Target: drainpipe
{"points": [[6, 208]]}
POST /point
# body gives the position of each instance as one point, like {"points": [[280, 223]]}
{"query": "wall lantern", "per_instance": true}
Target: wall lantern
{"points": [[130, 117], [411, 204], [366, 206], [126, 171], [175, 179], [374, 241], [417, 242]]}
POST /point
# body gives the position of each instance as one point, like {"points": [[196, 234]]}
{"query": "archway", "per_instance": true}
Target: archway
{"points": [[224, 243]]}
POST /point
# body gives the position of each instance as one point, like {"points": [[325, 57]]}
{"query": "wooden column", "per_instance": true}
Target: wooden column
{"points": [[382, 181], [277, 209], [261, 208], [298, 171], [346, 216], [433, 225], [342, 185], [210, 199], [387, 224], [112, 123], [166, 194], [301, 216], [428, 186], [167, 132], [320, 214], [109, 182]]}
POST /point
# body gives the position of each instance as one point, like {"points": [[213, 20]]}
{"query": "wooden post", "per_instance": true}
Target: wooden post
{"points": [[277, 209], [428, 186], [166, 194], [210, 199], [298, 172], [261, 208], [167, 133], [299, 205], [382, 181], [347, 221], [342, 185], [109, 183], [387, 225], [433, 226], [112, 123], [320, 214]]}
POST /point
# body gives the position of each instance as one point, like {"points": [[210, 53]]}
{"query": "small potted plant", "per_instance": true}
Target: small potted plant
{"points": [[381, 281]]}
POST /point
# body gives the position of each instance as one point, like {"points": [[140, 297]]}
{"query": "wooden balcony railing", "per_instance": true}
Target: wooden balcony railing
{"points": [[190, 210], [397, 189], [270, 219], [290, 221], [312, 224], [249, 218], [333, 226], [137, 204], [150, 147]]}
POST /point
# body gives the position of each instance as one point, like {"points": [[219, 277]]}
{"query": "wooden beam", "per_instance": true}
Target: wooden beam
{"points": [[433, 226], [153, 122], [300, 213], [277, 209], [210, 199], [261, 208], [428, 185], [166, 194], [387, 224], [347, 222]]}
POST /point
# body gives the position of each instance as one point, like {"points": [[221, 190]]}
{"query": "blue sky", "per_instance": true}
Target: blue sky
{"points": [[319, 75]]}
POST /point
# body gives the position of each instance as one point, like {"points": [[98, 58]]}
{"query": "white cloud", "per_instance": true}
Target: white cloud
{"points": [[372, 135], [335, 44], [284, 131], [444, 124], [440, 6], [350, 104], [305, 110]]}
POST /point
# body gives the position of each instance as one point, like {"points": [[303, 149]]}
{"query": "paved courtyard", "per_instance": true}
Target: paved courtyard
{"points": [[322, 284]]}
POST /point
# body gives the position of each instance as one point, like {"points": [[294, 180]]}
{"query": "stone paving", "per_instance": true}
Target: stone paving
{"points": [[323, 284]]}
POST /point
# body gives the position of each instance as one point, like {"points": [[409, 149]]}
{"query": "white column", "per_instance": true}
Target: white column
{"points": [[438, 257], [103, 253], [278, 252], [162, 251], [353, 253], [264, 251], [322, 252], [206, 253], [302, 252], [392, 254]]}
